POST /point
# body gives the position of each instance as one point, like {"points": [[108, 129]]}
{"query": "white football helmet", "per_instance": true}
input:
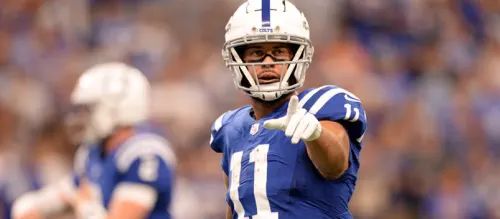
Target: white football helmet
{"points": [[260, 21], [116, 95]]}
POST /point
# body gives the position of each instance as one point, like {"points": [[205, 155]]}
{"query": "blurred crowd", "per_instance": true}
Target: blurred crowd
{"points": [[427, 71]]}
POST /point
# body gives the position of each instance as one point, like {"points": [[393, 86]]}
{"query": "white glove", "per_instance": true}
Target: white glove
{"points": [[86, 201], [297, 123], [90, 210]]}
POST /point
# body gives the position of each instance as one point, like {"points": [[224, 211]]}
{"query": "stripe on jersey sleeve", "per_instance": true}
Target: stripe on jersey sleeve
{"points": [[145, 145], [325, 97], [308, 96], [138, 193], [218, 122]]}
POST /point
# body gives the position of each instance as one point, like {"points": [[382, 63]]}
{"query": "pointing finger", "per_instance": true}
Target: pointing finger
{"points": [[293, 107]]}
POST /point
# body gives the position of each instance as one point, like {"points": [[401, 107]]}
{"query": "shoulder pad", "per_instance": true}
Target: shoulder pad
{"points": [[337, 104], [223, 120], [315, 99]]}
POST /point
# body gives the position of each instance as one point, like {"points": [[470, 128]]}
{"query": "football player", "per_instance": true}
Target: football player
{"points": [[288, 154], [121, 170]]}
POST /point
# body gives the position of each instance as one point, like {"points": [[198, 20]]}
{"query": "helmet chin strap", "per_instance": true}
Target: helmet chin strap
{"points": [[270, 92]]}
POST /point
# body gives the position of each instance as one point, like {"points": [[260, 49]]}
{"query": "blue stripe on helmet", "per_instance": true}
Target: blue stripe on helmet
{"points": [[266, 13]]}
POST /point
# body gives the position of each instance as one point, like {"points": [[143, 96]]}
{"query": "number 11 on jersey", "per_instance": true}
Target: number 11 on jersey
{"points": [[258, 156]]}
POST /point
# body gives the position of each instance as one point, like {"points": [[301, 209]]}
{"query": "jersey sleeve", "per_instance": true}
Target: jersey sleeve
{"points": [[218, 138], [339, 105], [147, 161], [217, 133]]}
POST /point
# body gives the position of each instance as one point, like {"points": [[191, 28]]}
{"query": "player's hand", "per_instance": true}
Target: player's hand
{"points": [[86, 202], [29, 215], [297, 123], [26, 207]]}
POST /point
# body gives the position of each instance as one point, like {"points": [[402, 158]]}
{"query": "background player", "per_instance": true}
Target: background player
{"points": [[288, 154], [122, 170]]}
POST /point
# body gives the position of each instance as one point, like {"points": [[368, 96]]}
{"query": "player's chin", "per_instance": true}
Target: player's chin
{"points": [[273, 102]]}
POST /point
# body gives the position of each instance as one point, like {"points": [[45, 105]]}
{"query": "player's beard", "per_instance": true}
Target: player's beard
{"points": [[273, 103]]}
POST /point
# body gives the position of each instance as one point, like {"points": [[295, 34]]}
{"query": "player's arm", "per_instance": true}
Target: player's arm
{"points": [[217, 143], [228, 209], [327, 142], [330, 151], [44, 202], [228, 212]]}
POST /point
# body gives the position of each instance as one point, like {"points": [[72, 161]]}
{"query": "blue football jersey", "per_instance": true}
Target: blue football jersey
{"points": [[144, 159], [269, 177]]}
